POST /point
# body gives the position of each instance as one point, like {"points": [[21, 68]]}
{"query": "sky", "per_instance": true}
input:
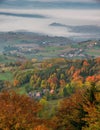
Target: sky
{"points": [[70, 18]]}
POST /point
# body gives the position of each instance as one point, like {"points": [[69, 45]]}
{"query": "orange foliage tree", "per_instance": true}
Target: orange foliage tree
{"points": [[15, 83], [41, 127], [18, 112], [52, 81]]}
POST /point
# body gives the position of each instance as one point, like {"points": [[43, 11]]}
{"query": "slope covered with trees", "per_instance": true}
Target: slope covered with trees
{"points": [[57, 78], [59, 94]]}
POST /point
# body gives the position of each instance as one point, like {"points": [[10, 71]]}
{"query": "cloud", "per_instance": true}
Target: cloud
{"points": [[97, 0], [2, 1], [66, 17], [22, 15], [81, 1]]}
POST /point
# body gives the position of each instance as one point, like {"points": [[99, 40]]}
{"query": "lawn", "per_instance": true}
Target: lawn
{"points": [[8, 76], [94, 52], [21, 90]]}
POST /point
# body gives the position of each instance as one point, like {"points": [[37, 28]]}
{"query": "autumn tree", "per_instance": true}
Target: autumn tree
{"points": [[18, 112], [35, 81], [92, 107], [41, 127], [44, 84], [70, 113], [15, 83], [53, 81], [81, 111]]}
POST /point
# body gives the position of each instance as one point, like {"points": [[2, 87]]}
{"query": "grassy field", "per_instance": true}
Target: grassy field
{"points": [[6, 76], [94, 52], [21, 90], [6, 59]]}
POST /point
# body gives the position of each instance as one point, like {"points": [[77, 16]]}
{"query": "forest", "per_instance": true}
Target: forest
{"points": [[53, 94]]}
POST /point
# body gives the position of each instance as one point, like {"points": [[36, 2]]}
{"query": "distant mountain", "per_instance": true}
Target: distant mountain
{"points": [[79, 29], [30, 37], [57, 25], [17, 38]]}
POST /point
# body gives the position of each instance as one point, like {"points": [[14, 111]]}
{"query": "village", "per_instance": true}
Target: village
{"points": [[21, 50]]}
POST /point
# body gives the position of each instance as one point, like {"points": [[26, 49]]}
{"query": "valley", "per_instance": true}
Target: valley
{"points": [[26, 45]]}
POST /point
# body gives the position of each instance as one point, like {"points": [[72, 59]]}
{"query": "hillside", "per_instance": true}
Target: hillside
{"points": [[16, 46], [54, 77], [64, 90], [58, 76]]}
